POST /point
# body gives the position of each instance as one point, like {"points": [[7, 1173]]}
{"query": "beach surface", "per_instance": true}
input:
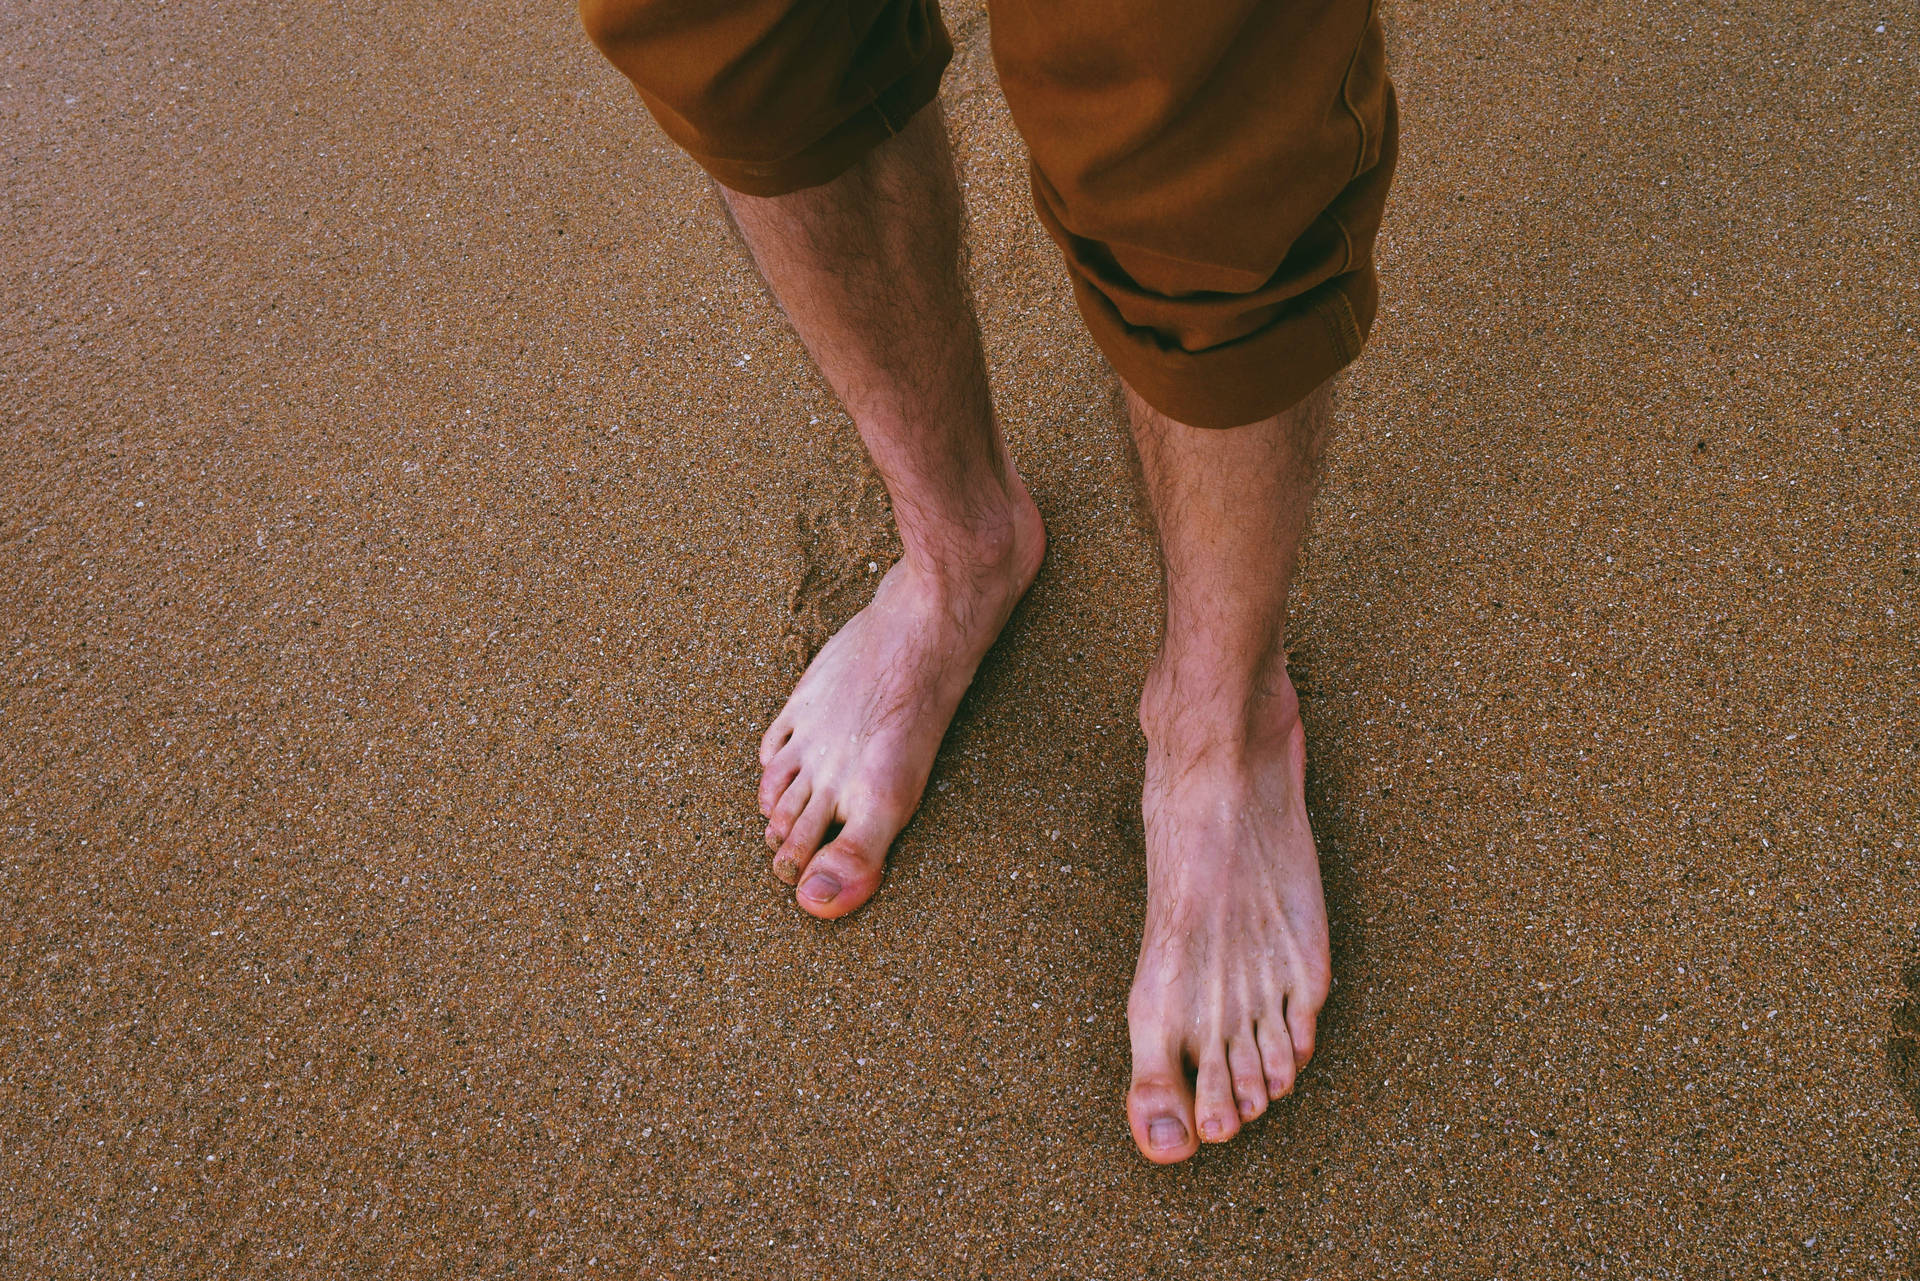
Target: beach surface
{"points": [[413, 508]]}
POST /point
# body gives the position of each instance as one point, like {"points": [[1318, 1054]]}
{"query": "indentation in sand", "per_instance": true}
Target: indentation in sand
{"points": [[845, 542], [1903, 1046]]}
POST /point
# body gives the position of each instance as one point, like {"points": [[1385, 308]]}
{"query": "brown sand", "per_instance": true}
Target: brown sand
{"points": [[414, 508]]}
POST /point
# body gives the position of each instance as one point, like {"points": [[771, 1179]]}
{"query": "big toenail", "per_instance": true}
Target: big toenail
{"points": [[1165, 1132], [820, 888]]}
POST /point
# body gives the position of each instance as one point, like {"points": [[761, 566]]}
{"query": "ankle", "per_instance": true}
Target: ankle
{"points": [[1194, 708], [999, 533]]}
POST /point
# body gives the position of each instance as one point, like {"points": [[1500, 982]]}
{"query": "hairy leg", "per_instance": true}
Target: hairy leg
{"points": [[867, 267], [1234, 961]]}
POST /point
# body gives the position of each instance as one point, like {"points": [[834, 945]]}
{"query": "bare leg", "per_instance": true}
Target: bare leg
{"points": [[1234, 962], [868, 269]]}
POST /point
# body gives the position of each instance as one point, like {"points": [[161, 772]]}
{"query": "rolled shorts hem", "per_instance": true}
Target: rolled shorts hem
{"points": [[848, 143], [1250, 379]]}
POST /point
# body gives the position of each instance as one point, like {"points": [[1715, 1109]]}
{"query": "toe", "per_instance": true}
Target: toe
{"points": [[1249, 1077], [776, 778], [793, 803], [803, 839], [774, 739], [1303, 1014], [1276, 1055], [1213, 1096], [845, 874], [1159, 1104]]}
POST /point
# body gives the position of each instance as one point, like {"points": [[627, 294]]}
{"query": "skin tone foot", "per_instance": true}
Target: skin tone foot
{"points": [[847, 759], [867, 267], [1234, 963]]}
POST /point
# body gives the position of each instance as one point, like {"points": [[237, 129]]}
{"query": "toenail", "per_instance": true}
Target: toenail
{"points": [[820, 888], [1212, 1129], [1247, 1111], [1165, 1132]]}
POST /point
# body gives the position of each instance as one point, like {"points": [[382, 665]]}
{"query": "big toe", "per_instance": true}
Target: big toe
{"points": [[1160, 1114], [845, 873], [1160, 1105]]}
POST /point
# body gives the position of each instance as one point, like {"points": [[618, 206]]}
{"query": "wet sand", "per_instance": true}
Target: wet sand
{"points": [[414, 508]]}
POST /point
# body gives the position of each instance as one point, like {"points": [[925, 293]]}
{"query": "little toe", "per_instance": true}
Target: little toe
{"points": [[775, 780], [793, 803], [1303, 1014], [1213, 1104], [804, 838], [774, 739], [845, 873], [1276, 1055], [1160, 1106], [1249, 1078]]}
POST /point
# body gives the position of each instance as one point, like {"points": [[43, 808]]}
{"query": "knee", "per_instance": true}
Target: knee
{"points": [[605, 21], [699, 83], [774, 94], [1199, 149]]}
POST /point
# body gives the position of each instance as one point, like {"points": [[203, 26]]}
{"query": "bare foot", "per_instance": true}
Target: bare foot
{"points": [[1234, 963], [854, 745]]}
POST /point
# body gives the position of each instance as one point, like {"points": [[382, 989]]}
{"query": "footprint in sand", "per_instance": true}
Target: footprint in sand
{"points": [[1903, 1046], [845, 542]]}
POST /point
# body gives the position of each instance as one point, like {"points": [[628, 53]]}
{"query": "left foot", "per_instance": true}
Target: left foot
{"points": [[1234, 962]]}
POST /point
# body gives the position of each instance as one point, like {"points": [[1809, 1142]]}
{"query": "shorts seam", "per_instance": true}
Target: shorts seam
{"points": [[874, 95], [1343, 331], [1346, 238], [1346, 87]]}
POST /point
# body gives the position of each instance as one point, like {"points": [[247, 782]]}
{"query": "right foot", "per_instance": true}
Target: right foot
{"points": [[855, 743], [1233, 958]]}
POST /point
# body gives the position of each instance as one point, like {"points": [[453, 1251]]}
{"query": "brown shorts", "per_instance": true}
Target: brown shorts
{"points": [[1214, 171]]}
